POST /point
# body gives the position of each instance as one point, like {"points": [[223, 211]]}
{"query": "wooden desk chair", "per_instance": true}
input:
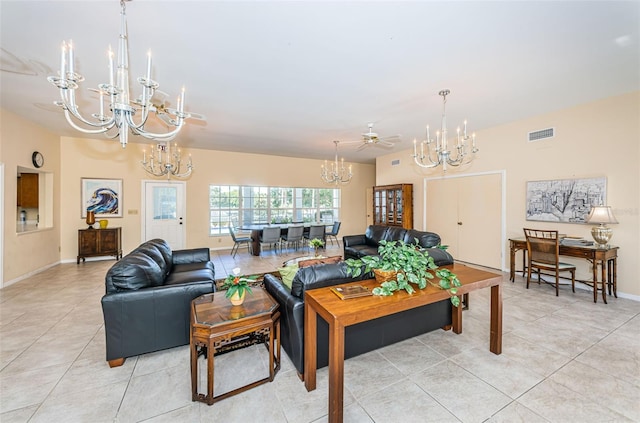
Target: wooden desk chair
{"points": [[543, 249]]}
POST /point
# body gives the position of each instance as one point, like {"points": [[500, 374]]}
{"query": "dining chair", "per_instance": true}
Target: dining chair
{"points": [[543, 249], [238, 241], [271, 237], [293, 237], [315, 231], [334, 232]]}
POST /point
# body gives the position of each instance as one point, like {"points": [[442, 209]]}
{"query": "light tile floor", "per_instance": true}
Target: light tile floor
{"points": [[565, 359]]}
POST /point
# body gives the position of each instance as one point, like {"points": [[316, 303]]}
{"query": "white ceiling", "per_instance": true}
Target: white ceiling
{"points": [[288, 78]]}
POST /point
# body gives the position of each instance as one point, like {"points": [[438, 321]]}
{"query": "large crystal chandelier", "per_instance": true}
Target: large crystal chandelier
{"points": [[163, 161], [121, 119], [440, 154], [336, 173]]}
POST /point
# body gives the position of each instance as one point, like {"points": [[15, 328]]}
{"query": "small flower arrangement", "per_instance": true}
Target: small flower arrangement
{"points": [[316, 243], [235, 283]]}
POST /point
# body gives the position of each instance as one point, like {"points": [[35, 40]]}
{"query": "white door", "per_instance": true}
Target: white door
{"points": [[164, 212], [467, 213]]}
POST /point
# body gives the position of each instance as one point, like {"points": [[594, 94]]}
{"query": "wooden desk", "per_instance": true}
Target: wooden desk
{"points": [[341, 313], [607, 258]]}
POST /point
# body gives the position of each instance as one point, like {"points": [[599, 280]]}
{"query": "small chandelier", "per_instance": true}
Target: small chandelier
{"points": [[441, 151], [336, 173], [122, 107], [165, 162]]}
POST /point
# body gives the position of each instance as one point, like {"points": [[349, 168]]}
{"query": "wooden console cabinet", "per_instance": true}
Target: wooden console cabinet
{"points": [[393, 205], [99, 242]]}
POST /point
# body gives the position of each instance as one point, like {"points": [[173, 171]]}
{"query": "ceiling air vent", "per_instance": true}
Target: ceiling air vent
{"points": [[541, 134]]}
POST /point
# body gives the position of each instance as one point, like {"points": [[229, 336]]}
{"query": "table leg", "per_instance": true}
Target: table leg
{"points": [[272, 371], [310, 359], [495, 337], [210, 353], [456, 319], [595, 280], [194, 372], [614, 277], [603, 265], [336, 372], [255, 242], [512, 262]]}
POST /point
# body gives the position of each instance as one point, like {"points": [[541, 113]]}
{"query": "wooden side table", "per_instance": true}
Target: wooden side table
{"points": [[216, 324]]}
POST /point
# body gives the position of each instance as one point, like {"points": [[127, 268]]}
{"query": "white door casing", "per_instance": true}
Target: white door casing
{"points": [[164, 210]]}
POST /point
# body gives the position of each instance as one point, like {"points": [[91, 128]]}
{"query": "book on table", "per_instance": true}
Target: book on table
{"points": [[351, 291]]}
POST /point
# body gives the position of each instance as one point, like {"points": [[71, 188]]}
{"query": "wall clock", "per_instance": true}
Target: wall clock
{"points": [[37, 159]]}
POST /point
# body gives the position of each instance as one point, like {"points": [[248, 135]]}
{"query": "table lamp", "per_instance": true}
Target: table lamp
{"points": [[601, 233]]}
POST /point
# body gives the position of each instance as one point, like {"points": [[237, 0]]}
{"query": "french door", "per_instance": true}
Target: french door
{"points": [[468, 214], [164, 211]]}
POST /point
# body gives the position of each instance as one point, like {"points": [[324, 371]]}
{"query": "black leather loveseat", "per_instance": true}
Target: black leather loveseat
{"points": [[148, 296], [360, 338], [356, 246]]}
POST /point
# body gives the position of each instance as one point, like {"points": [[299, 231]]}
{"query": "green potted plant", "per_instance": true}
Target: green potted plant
{"points": [[316, 243], [409, 265], [237, 286]]}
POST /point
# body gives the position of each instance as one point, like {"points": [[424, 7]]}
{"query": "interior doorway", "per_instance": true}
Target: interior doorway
{"points": [[164, 208], [468, 212]]}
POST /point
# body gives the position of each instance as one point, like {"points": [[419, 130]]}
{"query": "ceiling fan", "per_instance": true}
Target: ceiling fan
{"points": [[166, 114], [371, 138]]}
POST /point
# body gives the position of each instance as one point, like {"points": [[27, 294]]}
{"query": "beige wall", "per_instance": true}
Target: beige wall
{"points": [[27, 252], [106, 159], [597, 139]]}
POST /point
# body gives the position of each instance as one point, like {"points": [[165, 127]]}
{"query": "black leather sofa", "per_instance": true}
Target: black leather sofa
{"points": [[360, 338], [148, 297], [356, 246]]}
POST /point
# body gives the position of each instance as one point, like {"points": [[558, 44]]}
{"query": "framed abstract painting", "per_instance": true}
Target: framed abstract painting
{"points": [[102, 196]]}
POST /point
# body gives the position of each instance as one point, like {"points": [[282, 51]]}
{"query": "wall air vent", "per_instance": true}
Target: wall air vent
{"points": [[395, 162], [541, 134]]}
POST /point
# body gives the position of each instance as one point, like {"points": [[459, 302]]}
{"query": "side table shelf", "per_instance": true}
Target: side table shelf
{"points": [[99, 242]]}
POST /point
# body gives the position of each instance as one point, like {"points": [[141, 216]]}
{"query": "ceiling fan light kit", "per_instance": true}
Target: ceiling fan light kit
{"points": [[121, 119], [465, 146]]}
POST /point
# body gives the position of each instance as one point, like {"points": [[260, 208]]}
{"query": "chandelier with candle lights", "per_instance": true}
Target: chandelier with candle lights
{"points": [[122, 108], [440, 154], [336, 173], [163, 161]]}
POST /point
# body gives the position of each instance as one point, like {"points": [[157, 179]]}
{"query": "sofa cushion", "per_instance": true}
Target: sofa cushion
{"points": [[425, 239], [164, 249], [324, 260], [203, 274], [152, 251], [394, 233], [134, 271], [374, 234], [287, 274], [321, 275]]}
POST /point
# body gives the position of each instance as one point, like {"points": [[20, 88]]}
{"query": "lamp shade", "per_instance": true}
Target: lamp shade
{"points": [[601, 214]]}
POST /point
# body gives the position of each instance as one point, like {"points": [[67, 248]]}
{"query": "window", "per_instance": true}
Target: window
{"points": [[233, 205]]}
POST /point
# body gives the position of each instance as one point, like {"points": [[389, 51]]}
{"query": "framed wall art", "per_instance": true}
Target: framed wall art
{"points": [[564, 200], [102, 196]]}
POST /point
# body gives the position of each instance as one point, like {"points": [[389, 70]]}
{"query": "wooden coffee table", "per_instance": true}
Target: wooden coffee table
{"points": [[216, 324], [342, 313]]}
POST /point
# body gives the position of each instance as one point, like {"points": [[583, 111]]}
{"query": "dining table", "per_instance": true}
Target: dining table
{"points": [[256, 231]]}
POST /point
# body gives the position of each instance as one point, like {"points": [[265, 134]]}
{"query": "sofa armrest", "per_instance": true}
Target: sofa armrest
{"points": [[149, 319], [291, 320], [351, 240], [192, 255]]}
